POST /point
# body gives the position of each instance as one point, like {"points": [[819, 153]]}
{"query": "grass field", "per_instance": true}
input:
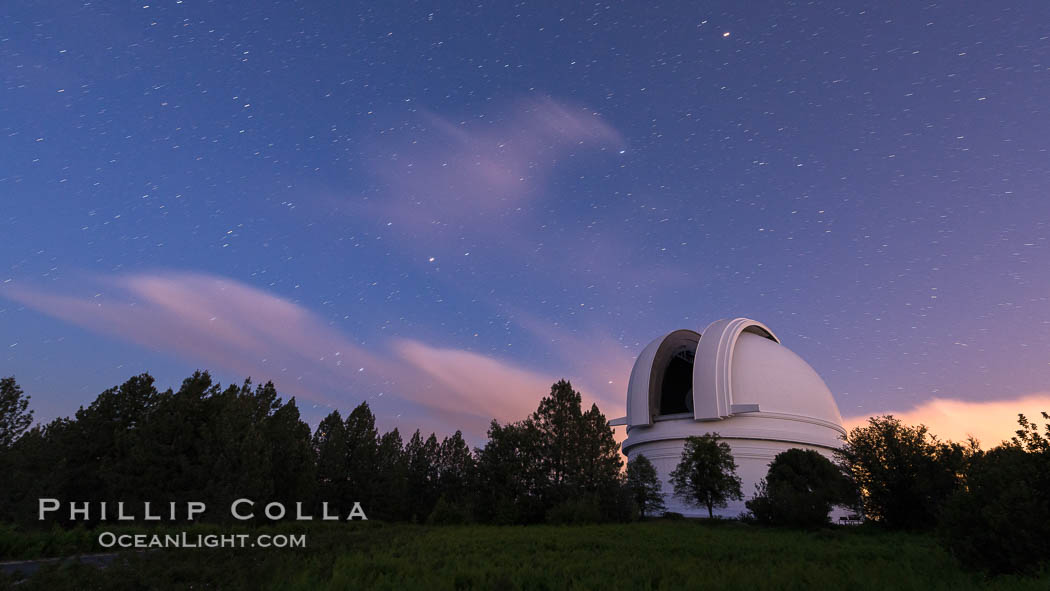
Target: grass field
{"points": [[638, 556]]}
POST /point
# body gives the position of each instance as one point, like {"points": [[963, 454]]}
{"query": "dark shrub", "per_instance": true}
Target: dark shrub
{"points": [[446, 513], [576, 511], [799, 490], [906, 474], [1001, 520]]}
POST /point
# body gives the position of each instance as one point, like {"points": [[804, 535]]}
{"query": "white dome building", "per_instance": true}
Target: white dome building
{"points": [[736, 380]]}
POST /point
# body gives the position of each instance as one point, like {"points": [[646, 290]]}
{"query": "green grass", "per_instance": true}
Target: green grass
{"points": [[639, 556]]}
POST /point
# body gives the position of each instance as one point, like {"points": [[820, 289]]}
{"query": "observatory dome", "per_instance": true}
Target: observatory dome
{"points": [[735, 379]]}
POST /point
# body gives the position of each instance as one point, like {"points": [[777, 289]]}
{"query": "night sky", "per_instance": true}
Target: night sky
{"points": [[441, 209]]}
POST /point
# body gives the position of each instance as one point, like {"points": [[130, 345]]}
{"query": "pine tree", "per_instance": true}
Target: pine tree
{"points": [[329, 443], [362, 446], [15, 416]]}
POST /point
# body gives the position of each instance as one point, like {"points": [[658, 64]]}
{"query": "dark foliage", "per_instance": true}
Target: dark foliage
{"points": [[706, 475], [905, 475], [644, 487], [1001, 520], [799, 490], [212, 444], [15, 416], [550, 459]]}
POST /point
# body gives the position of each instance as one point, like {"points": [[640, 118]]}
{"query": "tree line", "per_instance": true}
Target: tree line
{"points": [[561, 464], [206, 443], [989, 508]]}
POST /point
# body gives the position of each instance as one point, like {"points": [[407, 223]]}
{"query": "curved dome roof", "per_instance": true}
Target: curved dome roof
{"points": [[736, 366], [777, 380]]}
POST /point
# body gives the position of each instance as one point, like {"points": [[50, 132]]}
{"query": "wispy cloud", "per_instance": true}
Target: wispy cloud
{"points": [[219, 322], [595, 360], [229, 325], [224, 324], [444, 173], [461, 381], [990, 421]]}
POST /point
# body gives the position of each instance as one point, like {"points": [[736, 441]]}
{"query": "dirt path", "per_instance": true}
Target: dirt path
{"points": [[28, 567]]}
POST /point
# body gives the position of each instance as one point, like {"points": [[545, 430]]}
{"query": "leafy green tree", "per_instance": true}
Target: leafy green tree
{"points": [[799, 490], [644, 486], [446, 513], [557, 422], [1000, 521], [577, 452], [456, 470], [329, 443], [579, 510], [133, 443], [235, 454], [555, 455], [15, 416], [599, 463], [362, 448], [292, 464], [35, 467], [102, 445], [905, 475], [706, 475], [510, 475], [391, 480], [423, 462], [1028, 436], [174, 453]]}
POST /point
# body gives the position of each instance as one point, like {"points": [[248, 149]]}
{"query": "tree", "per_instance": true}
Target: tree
{"points": [[103, 445], [1000, 520], [234, 458], [598, 459], [34, 467], [557, 423], [291, 454], [644, 486], [706, 475], [556, 456], [510, 475], [904, 474], [422, 461], [799, 490], [329, 443], [362, 448], [391, 479], [15, 417], [578, 454], [1028, 437], [455, 470]]}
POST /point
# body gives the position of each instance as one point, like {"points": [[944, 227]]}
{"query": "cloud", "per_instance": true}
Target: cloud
{"points": [[461, 381], [220, 322], [990, 421], [446, 174], [596, 362], [227, 325]]}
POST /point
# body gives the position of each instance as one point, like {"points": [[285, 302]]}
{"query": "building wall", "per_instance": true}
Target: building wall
{"points": [[752, 456]]}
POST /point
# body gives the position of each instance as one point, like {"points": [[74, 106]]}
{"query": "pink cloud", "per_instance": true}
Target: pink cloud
{"points": [[990, 421], [596, 362], [224, 324], [470, 389], [464, 382], [221, 323], [448, 172]]}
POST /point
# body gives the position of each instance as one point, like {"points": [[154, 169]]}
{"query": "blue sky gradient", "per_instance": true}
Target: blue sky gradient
{"points": [[442, 209]]}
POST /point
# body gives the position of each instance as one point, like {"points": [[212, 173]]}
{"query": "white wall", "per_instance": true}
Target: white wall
{"points": [[752, 457]]}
